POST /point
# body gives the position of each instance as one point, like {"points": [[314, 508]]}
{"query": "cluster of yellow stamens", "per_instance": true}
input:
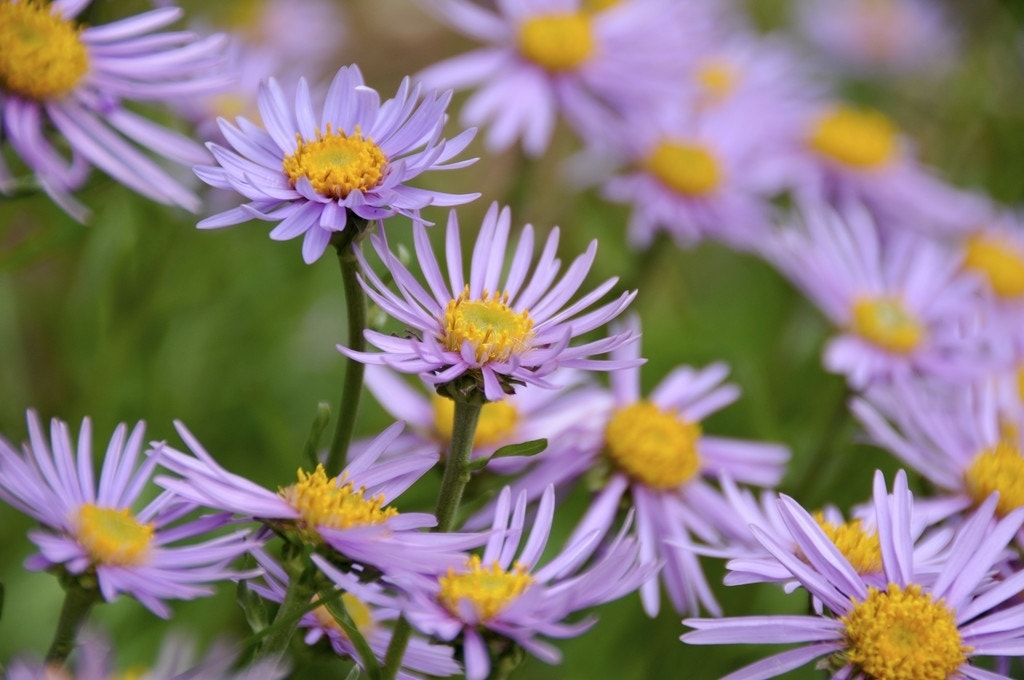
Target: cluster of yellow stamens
{"points": [[998, 468], [336, 164], [489, 589], [902, 634], [113, 536], [888, 323], [999, 262], [43, 56], [491, 327], [861, 139], [688, 169], [861, 549], [557, 42], [497, 422], [324, 502], [655, 447], [717, 78]]}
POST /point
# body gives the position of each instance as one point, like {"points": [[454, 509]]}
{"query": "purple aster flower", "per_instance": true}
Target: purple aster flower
{"points": [[55, 71], [89, 527], [372, 608], [351, 513], [505, 592], [900, 303], [907, 629], [551, 57], [310, 171], [500, 331]]}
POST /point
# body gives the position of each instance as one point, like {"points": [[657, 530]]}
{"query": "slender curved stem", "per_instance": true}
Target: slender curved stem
{"points": [[78, 602], [295, 603]]}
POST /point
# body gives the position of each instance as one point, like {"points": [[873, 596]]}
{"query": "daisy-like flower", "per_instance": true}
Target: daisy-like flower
{"points": [[900, 303], [907, 629], [504, 595], [56, 71], [350, 513], [92, 528], [551, 57], [995, 254], [372, 609], [312, 172], [499, 331]]}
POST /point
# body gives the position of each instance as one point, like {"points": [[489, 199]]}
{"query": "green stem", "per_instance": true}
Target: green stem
{"points": [[456, 476], [78, 602], [295, 603], [355, 303]]}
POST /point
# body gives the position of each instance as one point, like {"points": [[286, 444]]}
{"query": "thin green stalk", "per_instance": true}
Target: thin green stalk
{"points": [[456, 476], [355, 303], [78, 602], [296, 602]]}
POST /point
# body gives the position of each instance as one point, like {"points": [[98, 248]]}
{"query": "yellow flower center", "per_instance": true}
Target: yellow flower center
{"points": [[886, 322], [898, 634], [861, 139], [113, 536], [557, 42], [493, 329], [999, 262], [337, 164], [687, 169], [323, 502], [999, 468], [497, 422], [655, 447], [1020, 382], [717, 78], [489, 590], [860, 548], [595, 6], [356, 609], [42, 56]]}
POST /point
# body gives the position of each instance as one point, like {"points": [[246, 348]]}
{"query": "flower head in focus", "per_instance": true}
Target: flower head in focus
{"points": [[56, 71], [495, 331], [313, 172], [91, 528]]}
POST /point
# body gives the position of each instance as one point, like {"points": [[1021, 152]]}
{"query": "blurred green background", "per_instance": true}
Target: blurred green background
{"points": [[140, 316]]}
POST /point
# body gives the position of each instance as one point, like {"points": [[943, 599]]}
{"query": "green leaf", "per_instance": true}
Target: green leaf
{"points": [[316, 430], [353, 674], [254, 607], [530, 448], [330, 598]]}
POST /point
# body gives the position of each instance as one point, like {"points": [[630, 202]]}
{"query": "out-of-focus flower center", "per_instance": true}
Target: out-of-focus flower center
{"points": [[1020, 382], [717, 78], [860, 548], [361, 616], [887, 322], [902, 634], [595, 6], [497, 422], [113, 536], [861, 139], [337, 164], [999, 262], [687, 169], [492, 328], [323, 502], [999, 468], [489, 589], [42, 56], [655, 447], [557, 42]]}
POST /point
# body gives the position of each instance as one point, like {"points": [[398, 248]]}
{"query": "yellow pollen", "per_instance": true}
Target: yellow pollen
{"points": [[655, 447], [491, 327], [324, 502], [1020, 382], [337, 164], [861, 139], [860, 548], [999, 468], [113, 536], [489, 590], [498, 420], [557, 42], [886, 322], [687, 169], [43, 56], [718, 78], [999, 262], [898, 634], [356, 609], [595, 6]]}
